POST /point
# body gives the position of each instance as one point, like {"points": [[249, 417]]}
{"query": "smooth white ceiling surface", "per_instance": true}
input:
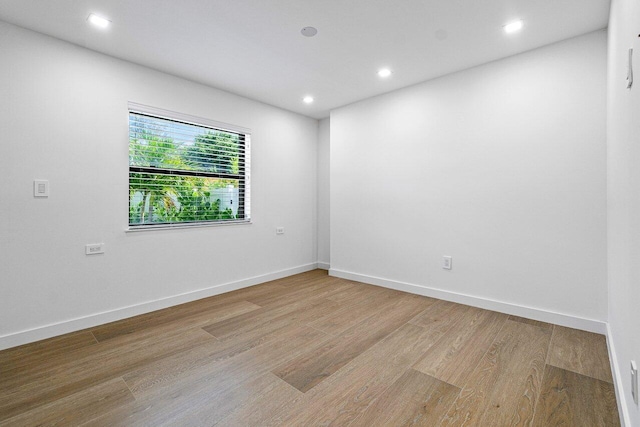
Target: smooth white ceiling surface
{"points": [[254, 47]]}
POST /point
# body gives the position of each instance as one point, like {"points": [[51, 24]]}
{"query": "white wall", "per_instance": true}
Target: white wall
{"points": [[623, 172], [63, 117], [323, 193], [501, 166]]}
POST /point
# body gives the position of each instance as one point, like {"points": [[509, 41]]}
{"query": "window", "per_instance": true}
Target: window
{"points": [[185, 170]]}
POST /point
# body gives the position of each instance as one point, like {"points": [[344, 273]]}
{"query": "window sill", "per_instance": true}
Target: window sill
{"points": [[141, 228]]}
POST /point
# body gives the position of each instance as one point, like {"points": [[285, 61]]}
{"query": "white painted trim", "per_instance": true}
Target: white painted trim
{"points": [[72, 325], [625, 419], [134, 107], [324, 265], [542, 315]]}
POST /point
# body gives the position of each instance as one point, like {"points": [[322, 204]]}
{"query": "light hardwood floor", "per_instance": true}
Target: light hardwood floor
{"points": [[312, 350]]}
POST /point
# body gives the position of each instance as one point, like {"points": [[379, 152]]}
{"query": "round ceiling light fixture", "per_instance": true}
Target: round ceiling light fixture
{"points": [[384, 73], [98, 21], [513, 27], [307, 99], [309, 31]]}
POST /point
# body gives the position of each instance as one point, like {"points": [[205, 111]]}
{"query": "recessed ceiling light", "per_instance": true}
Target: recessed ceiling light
{"points": [[385, 72], [307, 99], [98, 21], [513, 27], [309, 31]]}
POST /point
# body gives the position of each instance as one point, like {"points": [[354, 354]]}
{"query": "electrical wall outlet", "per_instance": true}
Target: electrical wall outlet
{"points": [[446, 262], [634, 381], [279, 230], [94, 248], [40, 188]]}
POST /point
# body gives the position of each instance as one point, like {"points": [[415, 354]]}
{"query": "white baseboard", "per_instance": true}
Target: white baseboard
{"points": [[77, 324], [324, 265], [625, 419], [569, 321]]}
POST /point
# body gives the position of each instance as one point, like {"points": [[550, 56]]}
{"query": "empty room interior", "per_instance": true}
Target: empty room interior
{"points": [[296, 213]]}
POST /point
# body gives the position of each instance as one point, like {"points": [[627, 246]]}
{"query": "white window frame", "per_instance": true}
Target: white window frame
{"points": [[245, 189]]}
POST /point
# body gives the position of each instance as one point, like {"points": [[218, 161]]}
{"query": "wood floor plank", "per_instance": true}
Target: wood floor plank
{"points": [[309, 293], [414, 399], [355, 312], [301, 291], [28, 355], [581, 352], [27, 373], [140, 344], [250, 327], [260, 407], [347, 393], [504, 387], [531, 322], [227, 329], [74, 375], [255, 407], [76, 408], [571, 399], [180, 365], [454, 357], [198, 312], [218, 404], [244, 293], [356, 292], [441, 311], [308, 370], [303, 279], [164, 401]]}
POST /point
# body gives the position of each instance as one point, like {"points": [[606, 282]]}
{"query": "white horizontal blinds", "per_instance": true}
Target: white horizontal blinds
{"points": [[181, 172], [174, 145]]}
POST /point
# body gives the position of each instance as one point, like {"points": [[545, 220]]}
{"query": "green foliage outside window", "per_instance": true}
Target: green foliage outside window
{"points": [[167, 197]]}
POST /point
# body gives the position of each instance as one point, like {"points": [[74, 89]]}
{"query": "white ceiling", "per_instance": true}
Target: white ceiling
{"points": [[254, 47]]}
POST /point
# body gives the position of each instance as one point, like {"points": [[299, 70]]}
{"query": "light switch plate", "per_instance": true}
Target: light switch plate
{"points": [[40, 188], [446, 262]]}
